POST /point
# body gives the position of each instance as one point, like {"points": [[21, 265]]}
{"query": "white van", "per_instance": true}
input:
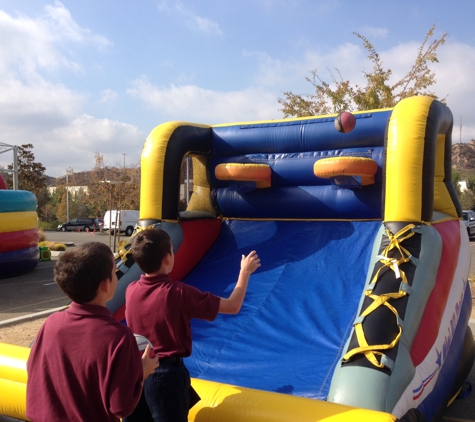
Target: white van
{"points": [[128, 220]]}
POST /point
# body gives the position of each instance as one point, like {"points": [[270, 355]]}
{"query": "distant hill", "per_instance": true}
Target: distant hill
{"points": [[49, 180], [82, 178], [463, 156]]}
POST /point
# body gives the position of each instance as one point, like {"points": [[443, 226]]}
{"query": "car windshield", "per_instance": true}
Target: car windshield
{"points": [[465, 216]]}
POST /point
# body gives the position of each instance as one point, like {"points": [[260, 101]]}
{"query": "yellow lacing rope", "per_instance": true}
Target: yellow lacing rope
{"points": [[371, 351]]}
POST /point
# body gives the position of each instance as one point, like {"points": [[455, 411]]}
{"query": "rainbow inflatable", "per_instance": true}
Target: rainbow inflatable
{"points": [[359, 311], [19, 252]]}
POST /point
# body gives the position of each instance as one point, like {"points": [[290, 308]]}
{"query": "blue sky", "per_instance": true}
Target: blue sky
{"points": [[80, 77]]}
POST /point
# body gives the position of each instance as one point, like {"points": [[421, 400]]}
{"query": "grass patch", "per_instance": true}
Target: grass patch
{"points": [[48, 226]]}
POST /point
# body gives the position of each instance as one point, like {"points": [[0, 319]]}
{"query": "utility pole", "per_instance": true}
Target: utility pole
{"points": [[15, 167], [119, 212], [460, 129], [67, 196]]}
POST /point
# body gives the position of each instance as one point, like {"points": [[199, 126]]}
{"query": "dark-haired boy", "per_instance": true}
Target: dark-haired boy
{"points": [[85, 365], [161, 310]]}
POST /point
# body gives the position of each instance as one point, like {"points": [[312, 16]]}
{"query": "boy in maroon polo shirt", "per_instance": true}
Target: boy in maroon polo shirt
{"points": [[84, 365], [161, 310]]}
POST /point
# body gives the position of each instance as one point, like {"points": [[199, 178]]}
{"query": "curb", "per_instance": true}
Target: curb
{"points": [[31, 317]]}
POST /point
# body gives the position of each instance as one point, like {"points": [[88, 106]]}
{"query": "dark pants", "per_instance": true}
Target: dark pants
{"points": [[165, 396]]}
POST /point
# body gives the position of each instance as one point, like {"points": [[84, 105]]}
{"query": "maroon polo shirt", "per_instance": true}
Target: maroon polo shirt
{"points": [[161, 310], [84, 366]]}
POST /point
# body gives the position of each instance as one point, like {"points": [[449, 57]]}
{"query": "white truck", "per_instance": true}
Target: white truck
{"points": [[127, 218]]}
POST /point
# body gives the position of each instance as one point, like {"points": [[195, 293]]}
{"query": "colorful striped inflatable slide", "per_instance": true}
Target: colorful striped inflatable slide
{"points": [[359, 311], [19, 252]]}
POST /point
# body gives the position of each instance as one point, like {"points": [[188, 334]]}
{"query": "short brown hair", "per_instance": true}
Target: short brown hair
{"points": [[80, 270], [149, 248]]}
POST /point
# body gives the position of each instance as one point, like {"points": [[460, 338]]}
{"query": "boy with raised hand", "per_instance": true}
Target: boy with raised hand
{"points": [[161, 310], [85, 365]]}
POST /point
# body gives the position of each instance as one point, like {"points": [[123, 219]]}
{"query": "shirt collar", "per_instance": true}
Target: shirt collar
{"points": [[154, 279], [88, 310]]}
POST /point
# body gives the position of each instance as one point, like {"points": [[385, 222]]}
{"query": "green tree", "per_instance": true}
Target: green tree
{"points": [[77, 194], [58, 201], [112, 187], [379, 91], [467, 195], [30, 173], [456, 179], [31, 176]]}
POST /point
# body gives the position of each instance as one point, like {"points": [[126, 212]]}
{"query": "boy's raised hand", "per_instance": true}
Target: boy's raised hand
{"points": [[232, 305], [250, 263]]}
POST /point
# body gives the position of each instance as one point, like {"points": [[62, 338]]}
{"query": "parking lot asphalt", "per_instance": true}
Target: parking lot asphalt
{"points": [[35, 294]]}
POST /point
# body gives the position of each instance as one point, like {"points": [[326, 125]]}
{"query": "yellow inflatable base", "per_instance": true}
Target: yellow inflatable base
{"points": [[219, 402]]}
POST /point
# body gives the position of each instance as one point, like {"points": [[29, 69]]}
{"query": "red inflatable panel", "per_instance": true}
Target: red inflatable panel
{"points": [[429, 327], [14, 241], [3, 184], [198, 237]]}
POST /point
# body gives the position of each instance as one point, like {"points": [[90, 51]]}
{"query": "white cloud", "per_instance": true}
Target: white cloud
{"points": [[348, 58], [206, 25], [48, 114], [371, 32], [31, 45], [274, 76], [454, 74], [190, 102], [74, 145], [279, 75], [28, 46], [191, 19], [272, 71], [64, 26], [31, 110], [85, 136], [108, 95]]}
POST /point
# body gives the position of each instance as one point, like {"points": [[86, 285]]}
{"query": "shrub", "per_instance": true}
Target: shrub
{"points": [[53, 246], [41, 235], [59, 247]]}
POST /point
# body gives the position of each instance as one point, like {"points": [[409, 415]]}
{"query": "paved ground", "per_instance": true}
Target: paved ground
{"points": [[36, 293]]}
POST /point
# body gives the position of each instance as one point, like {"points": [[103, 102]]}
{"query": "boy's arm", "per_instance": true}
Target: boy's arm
{"points": [[232, 305]]}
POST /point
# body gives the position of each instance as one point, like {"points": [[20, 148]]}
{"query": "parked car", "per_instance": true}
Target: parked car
{"points": [[469, 220], [128, 220], [77, 224]]}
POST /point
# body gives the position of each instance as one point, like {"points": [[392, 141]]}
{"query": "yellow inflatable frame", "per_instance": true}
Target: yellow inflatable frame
{"points": [[414, 189]]}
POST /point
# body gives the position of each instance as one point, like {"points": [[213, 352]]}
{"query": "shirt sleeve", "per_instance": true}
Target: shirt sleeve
{"points": [[202, 305], [126, 376]]}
